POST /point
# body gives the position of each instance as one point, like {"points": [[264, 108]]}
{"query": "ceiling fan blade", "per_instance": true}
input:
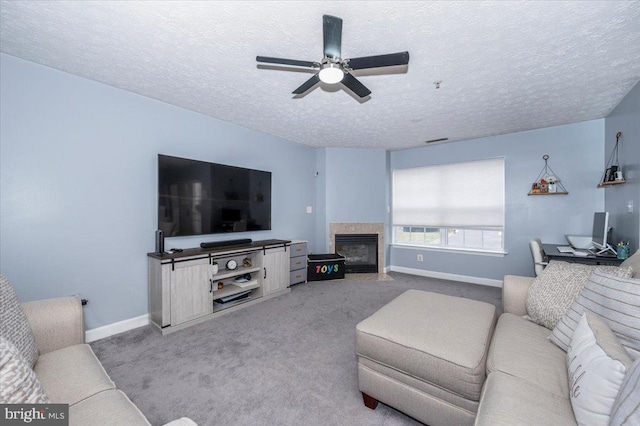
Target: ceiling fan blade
{"points": [[355, 86], [307, 85], [378, 61], [332, 32], [287, 62]]}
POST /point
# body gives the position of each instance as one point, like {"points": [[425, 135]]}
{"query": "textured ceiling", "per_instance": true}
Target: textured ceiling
{"points": [[504, 66]]}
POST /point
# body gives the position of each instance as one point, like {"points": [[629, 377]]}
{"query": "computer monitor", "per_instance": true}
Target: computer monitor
{"points": [[600, 233]]}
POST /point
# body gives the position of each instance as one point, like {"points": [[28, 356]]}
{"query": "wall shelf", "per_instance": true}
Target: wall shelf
{"points": [[548, 193], [547, 182], [614, 182]]}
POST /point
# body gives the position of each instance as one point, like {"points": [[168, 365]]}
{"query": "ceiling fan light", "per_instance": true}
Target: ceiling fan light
{"points": [[331, 74]]}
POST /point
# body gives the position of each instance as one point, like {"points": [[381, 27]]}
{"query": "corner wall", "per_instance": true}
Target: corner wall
{"points": [[625, 118]]}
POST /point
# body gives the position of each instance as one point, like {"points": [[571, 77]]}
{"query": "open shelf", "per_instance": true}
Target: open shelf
{"points": [[548, 193], [219, 307], [224, 273], [613, 182], [230, 289]]}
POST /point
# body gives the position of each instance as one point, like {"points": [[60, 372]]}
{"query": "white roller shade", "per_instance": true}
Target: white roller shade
{"points": [[454, 195]]}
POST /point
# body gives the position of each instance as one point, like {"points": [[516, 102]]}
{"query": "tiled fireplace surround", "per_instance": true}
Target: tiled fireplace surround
{"points": [[359, 228]]}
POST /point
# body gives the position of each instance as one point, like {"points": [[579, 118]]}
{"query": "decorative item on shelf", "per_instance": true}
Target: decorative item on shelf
{"points": [[214, 267], [232, 265], [247, 262], [547, 182], [220, 285], [613, 173]]}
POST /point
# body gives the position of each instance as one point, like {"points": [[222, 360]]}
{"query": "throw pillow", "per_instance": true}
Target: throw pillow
{"points": [[596, 364], [634, 263], [626, 408], [14, 325], [19, 383], [616, 300], [553, 291]]}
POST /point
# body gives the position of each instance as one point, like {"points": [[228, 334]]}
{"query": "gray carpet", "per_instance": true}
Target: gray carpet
{"points": [[287, 361]]}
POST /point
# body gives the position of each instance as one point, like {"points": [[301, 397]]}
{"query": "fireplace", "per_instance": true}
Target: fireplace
{"points": [[360, 252]]}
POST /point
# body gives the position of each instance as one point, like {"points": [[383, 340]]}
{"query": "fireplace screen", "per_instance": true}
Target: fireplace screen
{"points": [[360, 252]]}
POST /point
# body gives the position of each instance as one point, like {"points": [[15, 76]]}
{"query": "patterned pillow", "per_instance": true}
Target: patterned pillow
{"points": [[626, 408], [596, 364], [14, 325], [616, 300], [553, 291], [19, 383]]}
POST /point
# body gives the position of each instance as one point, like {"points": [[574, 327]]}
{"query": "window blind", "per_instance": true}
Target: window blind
{"points": [[454, 195]]}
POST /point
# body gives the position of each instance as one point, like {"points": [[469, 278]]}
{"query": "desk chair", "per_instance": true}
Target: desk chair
{"points": [[539, 258]]}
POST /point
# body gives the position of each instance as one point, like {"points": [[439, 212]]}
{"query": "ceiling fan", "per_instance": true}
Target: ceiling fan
{"points": [[333, 68]]}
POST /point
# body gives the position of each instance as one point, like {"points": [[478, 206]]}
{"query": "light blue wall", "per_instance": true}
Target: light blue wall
{"points": [[625, 118], [356, 181], [575, 151], [78, 182], [352, 187]]}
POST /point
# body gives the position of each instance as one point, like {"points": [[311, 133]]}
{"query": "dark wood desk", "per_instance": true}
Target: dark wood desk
{"points": [[551, 250]]}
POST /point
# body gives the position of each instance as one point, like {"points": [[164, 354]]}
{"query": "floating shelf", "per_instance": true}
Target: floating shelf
{"points": [[613, 182], [548, 193]]}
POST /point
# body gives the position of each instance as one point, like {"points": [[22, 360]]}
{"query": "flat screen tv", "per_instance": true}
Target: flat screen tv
{"points": [[197, 197]]}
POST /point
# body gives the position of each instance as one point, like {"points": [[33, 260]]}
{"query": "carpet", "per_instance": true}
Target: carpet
{"points": [[287, 361]]}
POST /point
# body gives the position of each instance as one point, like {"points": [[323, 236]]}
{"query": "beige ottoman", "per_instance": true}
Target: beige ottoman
{"points": [[424, 354]]}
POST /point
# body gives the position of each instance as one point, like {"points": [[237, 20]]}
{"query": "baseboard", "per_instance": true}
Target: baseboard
{"points": [[446, 276], [386, 269], [115, 328]]}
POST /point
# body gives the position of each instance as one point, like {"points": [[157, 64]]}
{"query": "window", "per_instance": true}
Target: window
{"points": [[459, 206]]}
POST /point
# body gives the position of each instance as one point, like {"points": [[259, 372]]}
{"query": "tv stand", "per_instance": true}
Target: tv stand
{"points": [[192, 286]]}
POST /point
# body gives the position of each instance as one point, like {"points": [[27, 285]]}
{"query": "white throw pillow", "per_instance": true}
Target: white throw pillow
{"points": [[553, 291], [19, 383], [615, 300], [596, 364]]}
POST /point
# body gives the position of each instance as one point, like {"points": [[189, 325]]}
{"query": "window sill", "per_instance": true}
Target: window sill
{"points": [[494, 253]]}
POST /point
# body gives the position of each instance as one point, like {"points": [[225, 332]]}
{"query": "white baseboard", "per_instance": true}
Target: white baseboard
{"points": [[115, 328], [446, 276], [386, 269]]}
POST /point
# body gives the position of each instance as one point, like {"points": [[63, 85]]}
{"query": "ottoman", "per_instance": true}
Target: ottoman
{"points": [[424, 354]]}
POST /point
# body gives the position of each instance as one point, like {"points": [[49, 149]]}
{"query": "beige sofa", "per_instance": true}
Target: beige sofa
{"points": [[527, 381], [70, 372]]}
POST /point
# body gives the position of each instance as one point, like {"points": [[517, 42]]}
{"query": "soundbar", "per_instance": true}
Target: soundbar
{"points": [[215, 244]]}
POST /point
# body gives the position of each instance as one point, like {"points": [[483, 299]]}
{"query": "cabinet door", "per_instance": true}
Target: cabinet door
{"points": [[191, 295], [276, 270]]}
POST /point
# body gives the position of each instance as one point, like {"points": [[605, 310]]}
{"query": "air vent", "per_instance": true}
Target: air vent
{"points": [[437, 140]]}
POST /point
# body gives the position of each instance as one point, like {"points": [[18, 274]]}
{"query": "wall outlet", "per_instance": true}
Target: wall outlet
{"points": [[420, 258], [309, 209]]}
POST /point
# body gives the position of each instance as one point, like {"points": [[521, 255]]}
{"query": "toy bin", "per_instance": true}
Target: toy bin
{"points": [[321, 267]]}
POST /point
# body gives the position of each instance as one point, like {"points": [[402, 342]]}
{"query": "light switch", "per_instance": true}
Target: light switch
{"points": [[309, 209]]}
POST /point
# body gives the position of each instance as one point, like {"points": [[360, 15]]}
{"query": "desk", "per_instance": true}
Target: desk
{"points": [[551, 250]]}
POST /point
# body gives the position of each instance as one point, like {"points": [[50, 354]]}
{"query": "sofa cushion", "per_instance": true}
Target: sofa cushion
{"points": [[614, 299], [626, 408], [14, 325], [522, 349], [19, 384], [107, 408], [553, 291], [596, 363], [508, 401], [72, 374], [437, 338]]}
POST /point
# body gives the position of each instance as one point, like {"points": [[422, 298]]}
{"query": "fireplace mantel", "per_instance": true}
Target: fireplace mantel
{"points": [[359, 228]]}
